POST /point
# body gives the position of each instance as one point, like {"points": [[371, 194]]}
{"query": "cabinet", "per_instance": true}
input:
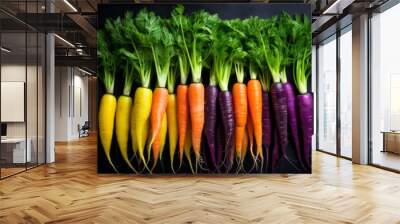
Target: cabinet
{"points": [[391, 142]]}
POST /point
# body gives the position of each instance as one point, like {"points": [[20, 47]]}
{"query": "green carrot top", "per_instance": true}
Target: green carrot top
{"points": [[108, 62], [130, 45], [302, 55], [284, 29], [239, 54], [115, 29], [255, 58], [175, 27], [184, 43], [225, 49], [195, 34], [141, 57], [159, 40], [171, 80]]}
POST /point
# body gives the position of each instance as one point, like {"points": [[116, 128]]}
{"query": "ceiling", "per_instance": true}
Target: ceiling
{"points": [[16, 42]]}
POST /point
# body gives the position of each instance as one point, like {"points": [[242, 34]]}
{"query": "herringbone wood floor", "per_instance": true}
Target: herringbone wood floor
{"points": [[70, 191]]}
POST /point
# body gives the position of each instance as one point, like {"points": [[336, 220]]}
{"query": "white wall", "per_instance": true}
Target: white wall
{"points": [[80, 111], [16, 73], [12, 73], [62, 82], [71, 102]]}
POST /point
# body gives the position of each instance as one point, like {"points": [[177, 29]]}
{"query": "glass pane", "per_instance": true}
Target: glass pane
{"points": [[14, 153], [31, 98], [346, 93], [32, 87], [385, 84], [314, 90], [41, 98], [327, 96]]}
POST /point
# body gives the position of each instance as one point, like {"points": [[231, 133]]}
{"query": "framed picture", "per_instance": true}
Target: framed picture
{"points": [[217, 88]]}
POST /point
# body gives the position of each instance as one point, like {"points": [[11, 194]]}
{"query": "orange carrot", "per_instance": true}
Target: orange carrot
{"points": [[240, 110], [250, 133], [156, 149], [158, 108], [241, 156], [196, 106], [182, 113], [254, 94], [159, 141], [245, 144], [188, 146]]}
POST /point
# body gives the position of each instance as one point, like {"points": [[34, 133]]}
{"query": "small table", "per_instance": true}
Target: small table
{"points": [[391, 141], [16, 146]]}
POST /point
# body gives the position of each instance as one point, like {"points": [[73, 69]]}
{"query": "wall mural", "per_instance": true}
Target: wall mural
{"points": [[204, 88]]}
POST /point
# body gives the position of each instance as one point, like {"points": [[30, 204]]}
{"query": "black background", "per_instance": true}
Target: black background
{"points": [[225, 11]]}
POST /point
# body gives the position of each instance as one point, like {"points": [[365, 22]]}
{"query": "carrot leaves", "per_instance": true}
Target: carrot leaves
{"points": [[195, 31], [203, 40], [171, 79], [160, 42], [239, 54], [255, 49], [108, 62], [179, 24], [301, 33], [225, 49], [116, 31], [136, 50]]}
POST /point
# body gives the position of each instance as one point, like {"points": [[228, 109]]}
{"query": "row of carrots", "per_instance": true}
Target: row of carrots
{"points": [[185, 115], [175, 124]]}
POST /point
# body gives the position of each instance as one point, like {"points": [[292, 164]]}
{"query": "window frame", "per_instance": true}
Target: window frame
{"points": [[381, 9], [334, 37]]}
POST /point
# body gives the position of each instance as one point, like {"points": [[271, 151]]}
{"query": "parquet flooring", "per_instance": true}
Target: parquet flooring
{"points": [[70, 191]]}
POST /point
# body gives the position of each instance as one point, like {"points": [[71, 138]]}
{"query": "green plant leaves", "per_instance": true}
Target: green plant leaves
{"points": [[108, 62], [194, 32], [191, 42]]}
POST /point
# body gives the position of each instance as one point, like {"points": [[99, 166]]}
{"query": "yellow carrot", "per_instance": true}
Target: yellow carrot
{"points": [[143, 100], [172, 127], [108, 105], [122, 127], [133, 130], [108, 102], [172, 113]]}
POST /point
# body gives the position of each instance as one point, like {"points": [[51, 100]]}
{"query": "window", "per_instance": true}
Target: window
{"points": [[385, 89], [327, 96], [346, 92], [22, 76]]}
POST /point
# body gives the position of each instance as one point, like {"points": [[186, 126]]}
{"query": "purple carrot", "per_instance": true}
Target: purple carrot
{"points": [[292, 119], [220, 146], [305, 104], [266, 125], [279, 106], [211, 97], [228, 120], [275, 151]]}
